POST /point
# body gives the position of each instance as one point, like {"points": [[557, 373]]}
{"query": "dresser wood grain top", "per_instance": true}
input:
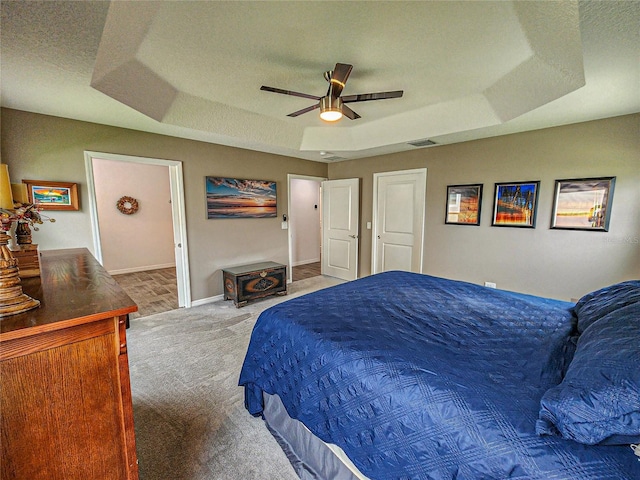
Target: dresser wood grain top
{"points": [[73, 289]]}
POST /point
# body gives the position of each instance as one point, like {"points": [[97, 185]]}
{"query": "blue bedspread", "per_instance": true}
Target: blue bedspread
{"points": [[418, 377]]}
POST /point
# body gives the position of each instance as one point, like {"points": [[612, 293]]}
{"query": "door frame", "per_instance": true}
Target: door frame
{"points": [[176, 182], [374, 227], [294, 176]]}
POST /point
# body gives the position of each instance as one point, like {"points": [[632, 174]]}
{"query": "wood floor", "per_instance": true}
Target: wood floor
{"points": [[156, 291], [306, 271]]}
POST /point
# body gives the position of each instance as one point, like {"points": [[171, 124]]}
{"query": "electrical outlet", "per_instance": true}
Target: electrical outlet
{"points": [[490, 284]]}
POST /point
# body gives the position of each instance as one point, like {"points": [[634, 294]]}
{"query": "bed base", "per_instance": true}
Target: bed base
{"points": [[311, 458]]}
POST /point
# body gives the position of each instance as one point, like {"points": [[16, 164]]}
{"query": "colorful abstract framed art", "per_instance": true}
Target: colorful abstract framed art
{"points": [[515, 204], [463, 204]]}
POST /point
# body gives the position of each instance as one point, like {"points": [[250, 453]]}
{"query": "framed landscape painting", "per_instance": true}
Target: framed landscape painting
{"points": [[583, 204], [52, 195], [515, 204], [239, 198], [463, 204]]}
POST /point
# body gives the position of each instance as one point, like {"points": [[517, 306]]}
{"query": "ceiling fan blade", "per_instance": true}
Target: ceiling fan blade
{"points": [[304, 110], [288, 92], [365, 97], [347, 112], [339, 78]]}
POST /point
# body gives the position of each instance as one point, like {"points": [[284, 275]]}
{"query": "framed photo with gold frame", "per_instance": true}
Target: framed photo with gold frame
{"points": [[48, 195]]}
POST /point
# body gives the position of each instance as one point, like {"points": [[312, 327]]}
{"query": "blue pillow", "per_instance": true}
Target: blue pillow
{"points": [[597, 304], [598, 401]]}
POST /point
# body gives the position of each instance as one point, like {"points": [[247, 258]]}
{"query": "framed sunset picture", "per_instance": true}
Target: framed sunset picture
{"points": [[52, 195], [240, 198], [583, 204]]}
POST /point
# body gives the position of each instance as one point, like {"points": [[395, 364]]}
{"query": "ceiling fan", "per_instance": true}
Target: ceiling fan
{"points": [[332, 105]]}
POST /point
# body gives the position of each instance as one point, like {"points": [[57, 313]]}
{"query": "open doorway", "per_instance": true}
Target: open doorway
{"points": [[167, 260], [305, 226]]}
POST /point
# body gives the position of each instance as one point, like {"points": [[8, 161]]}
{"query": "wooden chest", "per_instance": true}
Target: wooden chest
{"points": [[248, 282]]}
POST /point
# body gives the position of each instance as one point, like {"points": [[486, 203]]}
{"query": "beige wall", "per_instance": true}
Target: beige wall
{"points": [[51, 148], [555, 263]]}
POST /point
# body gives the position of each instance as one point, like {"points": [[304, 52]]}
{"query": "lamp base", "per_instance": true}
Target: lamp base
{"points": [[12, 299]]}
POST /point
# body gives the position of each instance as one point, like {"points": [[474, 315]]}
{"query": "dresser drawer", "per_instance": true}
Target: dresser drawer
{"points": [[249, 282]]}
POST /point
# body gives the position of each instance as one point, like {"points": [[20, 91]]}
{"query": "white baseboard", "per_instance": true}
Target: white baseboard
{"points": [[305, 262], [140, 269], [204, 301]]}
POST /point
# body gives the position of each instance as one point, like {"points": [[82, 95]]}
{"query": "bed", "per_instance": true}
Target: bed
{"points": [[407, 376]]}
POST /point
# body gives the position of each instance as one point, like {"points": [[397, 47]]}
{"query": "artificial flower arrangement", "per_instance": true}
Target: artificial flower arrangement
{"points": [[22, 213]]}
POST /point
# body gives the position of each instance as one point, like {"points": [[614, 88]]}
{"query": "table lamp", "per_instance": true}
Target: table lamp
{"points": [[12, 299]]}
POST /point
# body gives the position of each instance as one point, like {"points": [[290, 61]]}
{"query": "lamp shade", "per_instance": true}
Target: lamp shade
{"points": [[19, 191], [6, 198]]}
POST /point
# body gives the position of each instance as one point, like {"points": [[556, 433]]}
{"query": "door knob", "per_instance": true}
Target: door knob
{"points": [[353, 236]]}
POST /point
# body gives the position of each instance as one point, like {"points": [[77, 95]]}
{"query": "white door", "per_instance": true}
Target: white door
{"points": [[398, 214], [340, 220]]}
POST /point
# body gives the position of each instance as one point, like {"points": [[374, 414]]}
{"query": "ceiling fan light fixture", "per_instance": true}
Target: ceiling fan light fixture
{"points": [[330, 108]]}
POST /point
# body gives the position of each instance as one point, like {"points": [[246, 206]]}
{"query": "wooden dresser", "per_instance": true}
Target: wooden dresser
{"points": [[65, 397]]}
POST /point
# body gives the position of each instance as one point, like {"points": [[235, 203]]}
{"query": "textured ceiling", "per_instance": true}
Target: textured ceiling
{"points": [[194, 69]]}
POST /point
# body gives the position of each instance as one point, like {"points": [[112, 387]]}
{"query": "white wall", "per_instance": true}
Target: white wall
{"points": [[305, 221], [143, 240]]}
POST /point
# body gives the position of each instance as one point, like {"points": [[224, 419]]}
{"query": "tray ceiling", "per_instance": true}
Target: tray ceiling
{"points": [[194, 69]]}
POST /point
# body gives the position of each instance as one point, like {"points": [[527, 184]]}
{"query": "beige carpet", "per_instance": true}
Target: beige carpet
{"points": [[188, 409]]}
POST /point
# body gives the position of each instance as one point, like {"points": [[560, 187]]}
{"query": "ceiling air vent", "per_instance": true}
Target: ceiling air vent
{"points": [[331, 157], [422, 143]]}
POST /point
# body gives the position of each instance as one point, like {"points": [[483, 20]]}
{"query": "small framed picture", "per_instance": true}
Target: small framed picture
{"points": [[52, 195], [515, 204], [463, 204], [583, 204]]}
